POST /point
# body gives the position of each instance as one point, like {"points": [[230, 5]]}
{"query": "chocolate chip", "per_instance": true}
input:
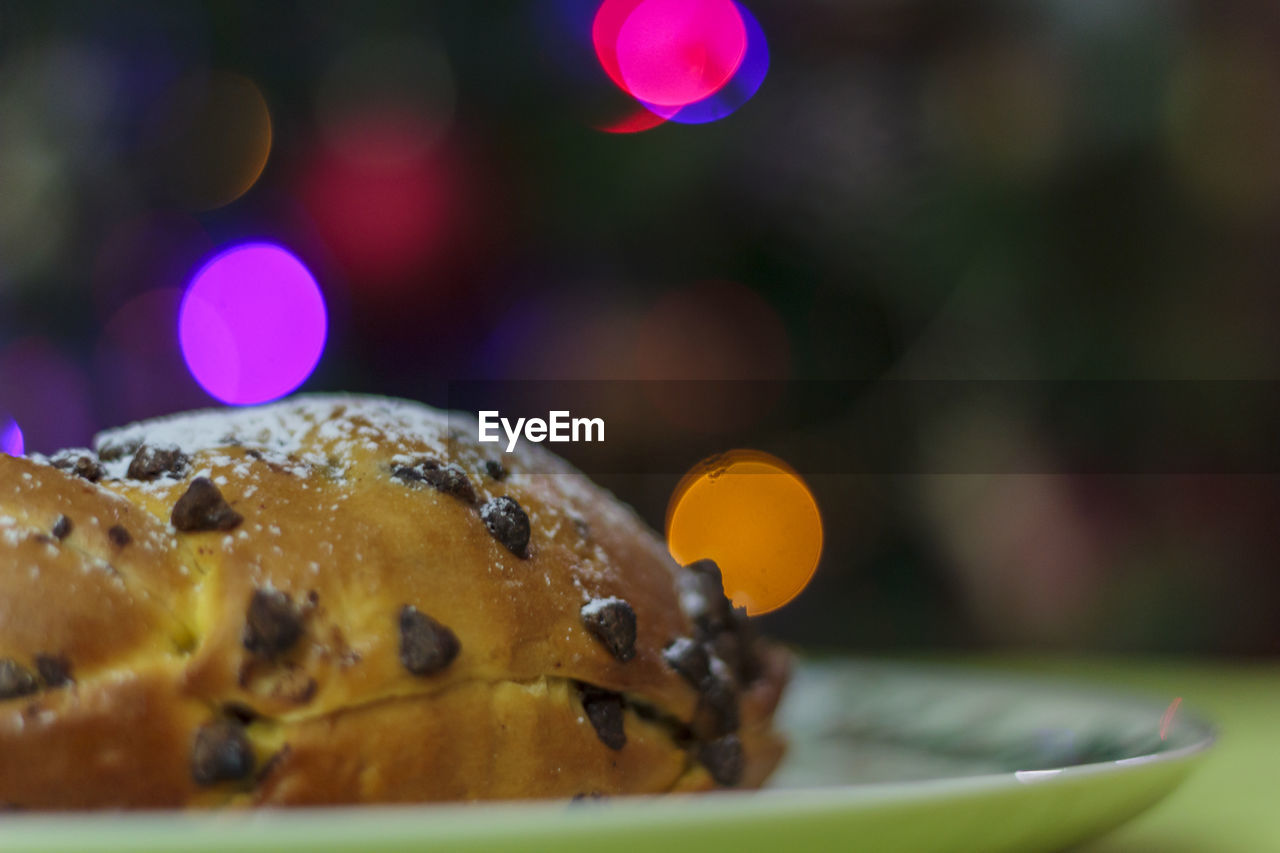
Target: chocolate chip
{"points": [[113, 450], [16, 680], [62, 527], [55, 670], [221, 753], [715, 609], [735, 644], [239, 712], [726, 629], [415, 471], [426, 646], [118, 535], [605, 711], [689, 658], [717, 712], [203, 508], [451, 480], [508, 523], [495, 470], [723, 758], [748, 666], [150, 462], [81, 463], [404, 472], [272, 624], [613, 623]]}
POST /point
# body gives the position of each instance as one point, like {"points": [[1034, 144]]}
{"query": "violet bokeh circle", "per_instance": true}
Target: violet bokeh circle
{"points": [[10, 437], [252, 324]]}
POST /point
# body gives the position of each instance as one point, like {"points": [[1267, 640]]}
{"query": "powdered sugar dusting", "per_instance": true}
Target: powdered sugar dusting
{"points": [[596, 605], [692, 599], [331, 438]]}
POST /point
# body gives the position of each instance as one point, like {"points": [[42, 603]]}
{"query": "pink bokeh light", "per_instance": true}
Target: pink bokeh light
{"points": [[742, 87], [252, 324], [10, 437], [605, 27], [670, 53]]}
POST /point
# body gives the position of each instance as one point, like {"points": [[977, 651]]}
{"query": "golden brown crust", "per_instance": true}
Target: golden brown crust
{"points": [[348, 507], [117, 741]]}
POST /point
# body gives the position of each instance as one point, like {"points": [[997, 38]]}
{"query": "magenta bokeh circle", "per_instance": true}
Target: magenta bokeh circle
{"points": [[252, 324]]}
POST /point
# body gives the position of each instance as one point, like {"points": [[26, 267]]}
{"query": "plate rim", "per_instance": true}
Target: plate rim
{"points": [[445, 821]]}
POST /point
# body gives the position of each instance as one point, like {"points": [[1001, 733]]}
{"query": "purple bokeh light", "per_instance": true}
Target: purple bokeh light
{"points": [[139, 359], [252, 324], [45, 390], [10, 437], [741, 88]]}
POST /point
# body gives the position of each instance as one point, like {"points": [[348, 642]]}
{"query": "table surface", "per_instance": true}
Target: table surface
{"points": [[1232, 802]]}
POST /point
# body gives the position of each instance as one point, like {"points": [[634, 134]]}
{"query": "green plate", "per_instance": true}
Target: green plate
{"points": [[884, 757]]}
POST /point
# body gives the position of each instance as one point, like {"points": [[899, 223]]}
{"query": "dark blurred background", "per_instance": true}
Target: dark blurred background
{"points": [[1041, 190]]}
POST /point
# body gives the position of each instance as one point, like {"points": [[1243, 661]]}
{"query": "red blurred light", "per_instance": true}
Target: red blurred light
{"points": [[608, 22], [636, 122], [384, 137], [718, 330], [713, 330], [384, 215]]}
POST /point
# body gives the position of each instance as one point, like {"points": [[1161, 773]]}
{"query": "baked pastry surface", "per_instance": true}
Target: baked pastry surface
{"points": [[339, 599]]}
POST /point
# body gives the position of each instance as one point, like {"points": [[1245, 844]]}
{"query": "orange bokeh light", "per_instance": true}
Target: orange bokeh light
{"points": [[215, 139], [756, 518]]}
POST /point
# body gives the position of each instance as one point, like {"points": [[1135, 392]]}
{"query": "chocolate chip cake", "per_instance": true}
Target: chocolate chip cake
{"points": [[348, 600]]}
